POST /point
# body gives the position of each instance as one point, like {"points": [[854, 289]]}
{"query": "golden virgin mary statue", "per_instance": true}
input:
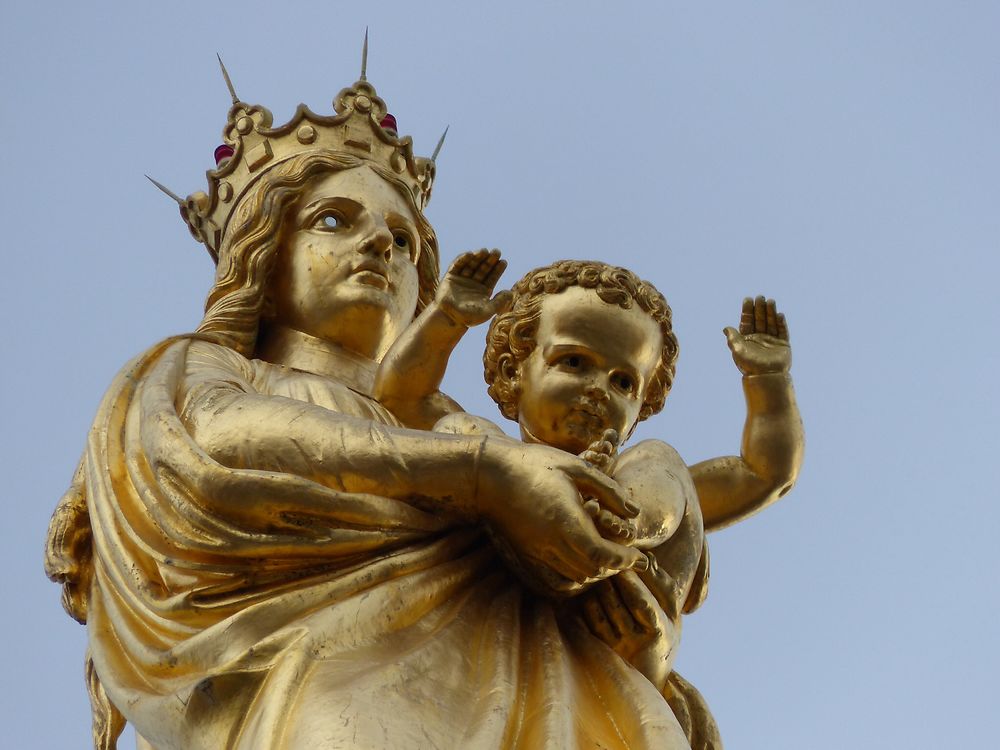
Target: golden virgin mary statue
{"points": [[265, 557]]}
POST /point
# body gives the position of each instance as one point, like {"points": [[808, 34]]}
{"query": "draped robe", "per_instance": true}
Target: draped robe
{"points": [[244, 606]]}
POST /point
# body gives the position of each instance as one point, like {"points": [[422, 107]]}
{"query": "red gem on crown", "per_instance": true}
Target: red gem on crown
{"points": [[389, 123], [222, 153]]}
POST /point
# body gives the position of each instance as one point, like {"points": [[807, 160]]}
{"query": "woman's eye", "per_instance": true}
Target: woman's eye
{"points": [[329, 221], [401, 240]]}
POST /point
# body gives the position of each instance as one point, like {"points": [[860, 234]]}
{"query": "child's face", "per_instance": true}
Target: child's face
{"points": [[588, 371]]}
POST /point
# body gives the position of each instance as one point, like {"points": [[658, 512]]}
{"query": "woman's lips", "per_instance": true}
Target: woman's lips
{"points": [[372, 275]]}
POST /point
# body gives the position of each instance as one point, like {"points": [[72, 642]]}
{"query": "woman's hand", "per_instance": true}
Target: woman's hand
{"points": [[531, 496], [601, 455], [624, 614]]}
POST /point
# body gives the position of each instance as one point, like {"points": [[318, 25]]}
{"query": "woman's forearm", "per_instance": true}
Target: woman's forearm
{"points": [[530, 495], [345, 453]]}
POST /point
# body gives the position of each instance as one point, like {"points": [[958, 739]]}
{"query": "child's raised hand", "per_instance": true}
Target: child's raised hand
{"points": [[760, 346], [464, 292]]}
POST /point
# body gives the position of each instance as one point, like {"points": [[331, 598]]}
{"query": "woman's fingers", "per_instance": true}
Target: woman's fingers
{"points": [[582, 554], [638, 598], [597, 620], [606, 490], [620, 531], [611, 557], [618, 614], [558, 567]]}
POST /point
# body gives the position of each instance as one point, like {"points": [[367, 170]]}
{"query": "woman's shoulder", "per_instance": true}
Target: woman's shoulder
{"points": [[200, 348], [205, 359]]}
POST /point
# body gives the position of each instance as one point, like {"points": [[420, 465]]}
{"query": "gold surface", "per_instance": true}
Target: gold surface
{"points": [[283, 535]]}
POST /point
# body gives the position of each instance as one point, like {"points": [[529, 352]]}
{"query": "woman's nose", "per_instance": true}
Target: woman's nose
{"points": [[377, 241]]}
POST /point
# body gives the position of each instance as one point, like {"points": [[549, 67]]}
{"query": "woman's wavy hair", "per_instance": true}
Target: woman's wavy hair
{"points": [[236, 301], [512, 335]]}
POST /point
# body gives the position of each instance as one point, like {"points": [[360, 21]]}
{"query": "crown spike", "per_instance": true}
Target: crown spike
{"points": [[440, 143], [168, 191], [229, 81], [364, 58]]}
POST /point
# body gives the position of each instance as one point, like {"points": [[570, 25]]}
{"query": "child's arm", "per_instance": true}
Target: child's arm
{"points": [[409, 378], [733, 487]]}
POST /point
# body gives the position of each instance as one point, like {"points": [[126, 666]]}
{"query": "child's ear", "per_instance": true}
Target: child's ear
{"points": [[510, 374], [508, 368]]}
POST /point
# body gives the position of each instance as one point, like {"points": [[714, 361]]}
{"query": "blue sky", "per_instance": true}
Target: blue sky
{"points": [[840, 157]]}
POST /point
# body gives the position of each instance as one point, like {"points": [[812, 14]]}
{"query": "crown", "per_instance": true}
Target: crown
{"points": [[361, 126]]}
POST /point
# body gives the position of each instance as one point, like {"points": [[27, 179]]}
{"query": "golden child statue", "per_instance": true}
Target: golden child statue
{"points": [[578, 354], [266, 557]]}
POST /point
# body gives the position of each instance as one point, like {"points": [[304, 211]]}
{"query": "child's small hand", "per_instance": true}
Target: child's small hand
{"points": [[760, 346], [464, 292], [601, 455]]}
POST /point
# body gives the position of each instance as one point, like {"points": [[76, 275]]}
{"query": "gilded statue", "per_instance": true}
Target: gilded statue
{"points": [[282, 534]]}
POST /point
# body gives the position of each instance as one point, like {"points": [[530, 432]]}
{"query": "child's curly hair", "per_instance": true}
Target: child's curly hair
{"points": [[511, 337]]}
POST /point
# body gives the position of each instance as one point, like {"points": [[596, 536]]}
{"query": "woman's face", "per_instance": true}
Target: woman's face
{"points": [[346, 269]]}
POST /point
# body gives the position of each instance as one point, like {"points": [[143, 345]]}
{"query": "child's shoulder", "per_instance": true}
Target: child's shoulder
{"points": [[659, 454], [655, 450]]}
